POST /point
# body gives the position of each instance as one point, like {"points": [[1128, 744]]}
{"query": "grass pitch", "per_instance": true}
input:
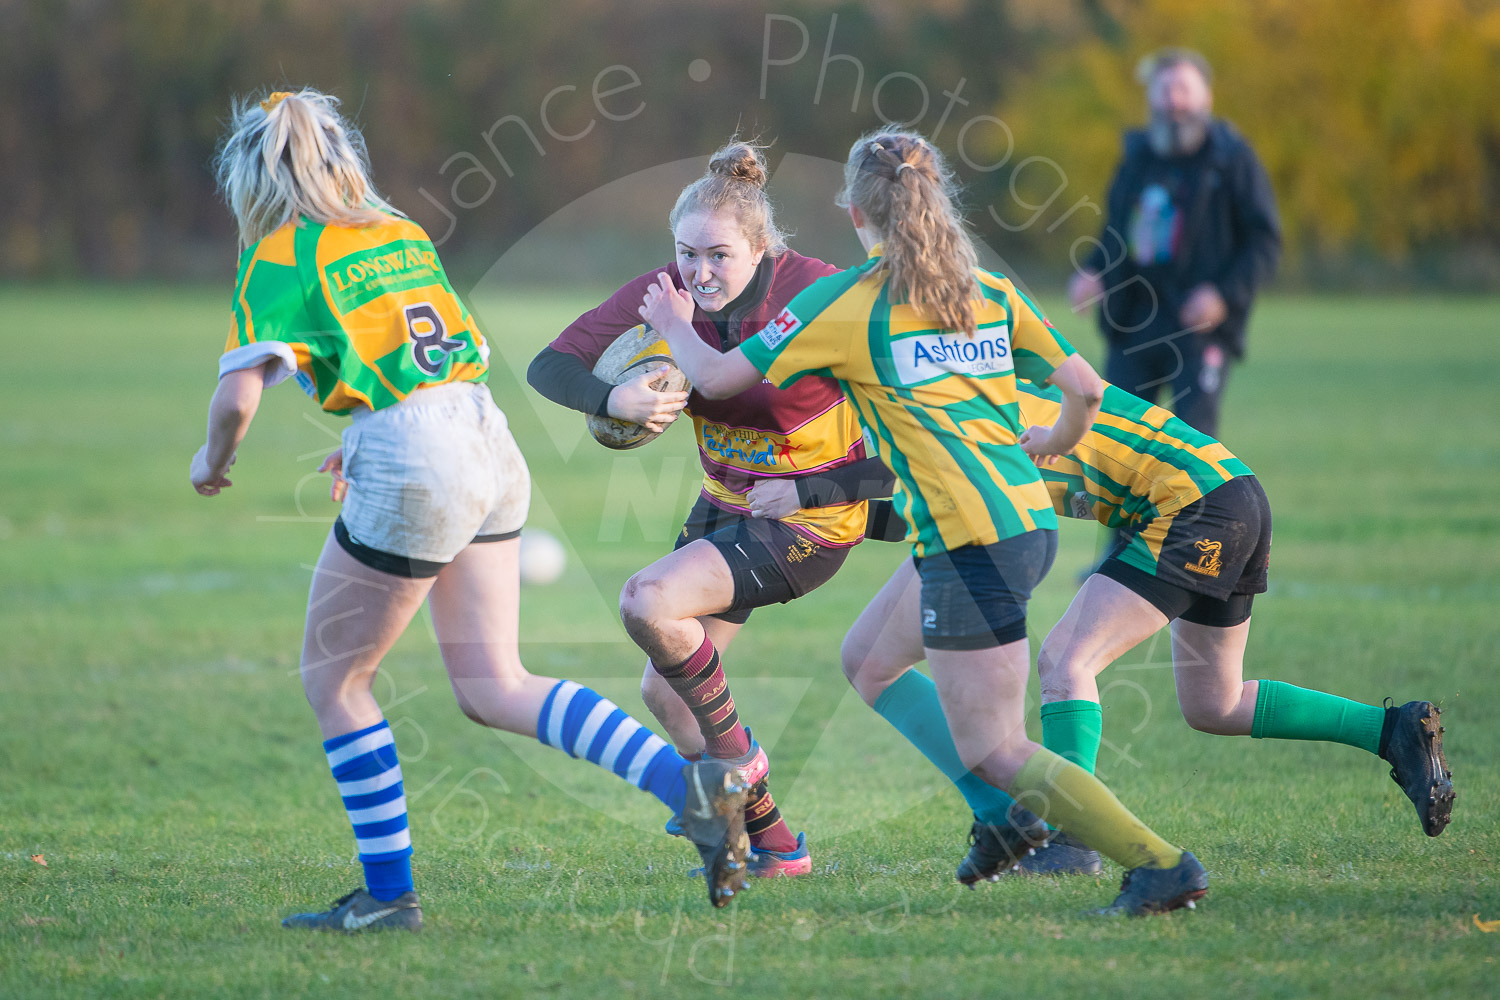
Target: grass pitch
{"points": [[156, 752]]}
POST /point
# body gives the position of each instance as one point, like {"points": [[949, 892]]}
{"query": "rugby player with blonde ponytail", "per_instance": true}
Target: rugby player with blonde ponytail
{"points": [[905, 192], [292, 155], [928, 348], [343, 293]]}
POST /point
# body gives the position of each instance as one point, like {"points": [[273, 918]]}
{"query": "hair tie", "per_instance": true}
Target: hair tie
{"points": [[274, 100], [904, 166]]}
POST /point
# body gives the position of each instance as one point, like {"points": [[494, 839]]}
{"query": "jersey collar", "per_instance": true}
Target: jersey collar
{"points": [[877, 250]]}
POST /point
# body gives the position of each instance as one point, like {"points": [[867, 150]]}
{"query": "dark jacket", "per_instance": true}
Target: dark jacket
{"points": [[1230, 236]]}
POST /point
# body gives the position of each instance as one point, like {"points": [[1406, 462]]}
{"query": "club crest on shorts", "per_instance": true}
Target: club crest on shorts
{"points": [[1208, 564]]}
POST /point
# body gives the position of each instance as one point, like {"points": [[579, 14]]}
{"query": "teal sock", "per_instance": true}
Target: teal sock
{"points": [[1074, 729], [912, 706], [1287, 712]]}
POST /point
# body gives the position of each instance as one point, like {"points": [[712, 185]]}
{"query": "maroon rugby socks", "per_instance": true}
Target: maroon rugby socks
{"points": [[763, 822], [699, 681]]}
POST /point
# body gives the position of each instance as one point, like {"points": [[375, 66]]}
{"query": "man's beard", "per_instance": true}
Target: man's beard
{"points": [[1178, 137]]}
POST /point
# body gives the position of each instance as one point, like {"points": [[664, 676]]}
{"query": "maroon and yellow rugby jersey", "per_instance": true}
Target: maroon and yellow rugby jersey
{"points": [[764, 432]]}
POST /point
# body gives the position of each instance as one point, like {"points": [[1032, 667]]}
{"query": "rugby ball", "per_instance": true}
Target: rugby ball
{"points": [[639, 349]]}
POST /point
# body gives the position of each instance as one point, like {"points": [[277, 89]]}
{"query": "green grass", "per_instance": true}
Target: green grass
{"points": [[156, 749]]}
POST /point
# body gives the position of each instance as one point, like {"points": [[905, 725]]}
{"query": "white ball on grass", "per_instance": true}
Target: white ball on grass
{"points": [[542, 559]]}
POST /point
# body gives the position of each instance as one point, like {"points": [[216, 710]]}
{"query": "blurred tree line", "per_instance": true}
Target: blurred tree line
{"points": [[1376, 118]]}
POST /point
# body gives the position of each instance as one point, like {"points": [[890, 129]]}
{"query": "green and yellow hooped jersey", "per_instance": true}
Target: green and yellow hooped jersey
{"points": [[361, 317], [1136, 462], [938, 407]]}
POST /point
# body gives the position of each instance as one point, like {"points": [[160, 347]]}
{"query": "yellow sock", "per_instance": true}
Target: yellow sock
{"points": [[1071, 799]]}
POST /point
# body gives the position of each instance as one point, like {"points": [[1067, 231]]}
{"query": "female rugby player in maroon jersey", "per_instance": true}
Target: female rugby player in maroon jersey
{"points": [[782, 498]]}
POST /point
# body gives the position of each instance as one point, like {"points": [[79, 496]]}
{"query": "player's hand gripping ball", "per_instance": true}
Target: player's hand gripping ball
{"points": [[636, 353]]}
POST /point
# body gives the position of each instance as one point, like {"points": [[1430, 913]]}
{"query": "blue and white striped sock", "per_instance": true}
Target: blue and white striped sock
{"points": [[365, 766], [582, 723]]}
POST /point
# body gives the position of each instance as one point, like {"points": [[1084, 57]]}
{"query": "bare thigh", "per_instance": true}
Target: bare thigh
{"points": [[983, 692], [354, 615], [661, 604]]}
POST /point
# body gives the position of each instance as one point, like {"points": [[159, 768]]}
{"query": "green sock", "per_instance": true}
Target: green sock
{"points": [[911, 705], [1073, 729], [1287, 712], [1070, 798]]}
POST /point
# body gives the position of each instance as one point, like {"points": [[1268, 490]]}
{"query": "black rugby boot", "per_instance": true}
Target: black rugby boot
{"points": [[359, 911], [1413, 746], [1144, 891], [995, 849]]}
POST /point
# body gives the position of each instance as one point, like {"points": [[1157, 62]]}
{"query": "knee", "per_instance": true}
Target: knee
{"points": [[642, 601], [852, 659], [866, 672], [324, 685], [471, 709], [996, 762], [485, 700], [1206, 716]]}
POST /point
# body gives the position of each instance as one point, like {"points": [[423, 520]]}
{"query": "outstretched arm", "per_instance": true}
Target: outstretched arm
{"points": [[229, 414], [669, 310], [1082, 391]]}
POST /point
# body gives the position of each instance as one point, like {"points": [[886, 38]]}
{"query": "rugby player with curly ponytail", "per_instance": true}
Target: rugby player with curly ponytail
{"points": [[905, 191], [928, 349]]}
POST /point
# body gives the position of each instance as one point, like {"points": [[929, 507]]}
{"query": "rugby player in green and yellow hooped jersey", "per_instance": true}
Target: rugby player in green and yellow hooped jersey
{"points": [[336, 287], [928, 348], [1194, 549], [1195, 532]]}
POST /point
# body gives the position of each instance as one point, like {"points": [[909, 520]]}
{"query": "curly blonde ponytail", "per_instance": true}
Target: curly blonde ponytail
{"points": [[293, 154], [901, 185]]}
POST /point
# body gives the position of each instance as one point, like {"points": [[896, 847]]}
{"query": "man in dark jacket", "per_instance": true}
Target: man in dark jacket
{"points": [[1191, 233]]}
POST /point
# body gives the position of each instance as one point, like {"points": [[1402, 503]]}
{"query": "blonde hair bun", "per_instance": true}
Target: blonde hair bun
{"points": [[735, 183], [740, 161]]}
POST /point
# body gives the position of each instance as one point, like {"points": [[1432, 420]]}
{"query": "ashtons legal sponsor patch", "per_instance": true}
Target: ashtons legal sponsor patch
{"points": [[930, 355]]}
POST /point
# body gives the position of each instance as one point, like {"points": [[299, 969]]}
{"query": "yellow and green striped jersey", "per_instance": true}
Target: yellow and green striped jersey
{"points": [[938, 407], [362, 317], [1136, 463]]}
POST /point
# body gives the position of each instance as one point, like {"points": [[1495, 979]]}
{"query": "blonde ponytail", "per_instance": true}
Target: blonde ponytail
{"points": [[292, 155], [903, 188]]}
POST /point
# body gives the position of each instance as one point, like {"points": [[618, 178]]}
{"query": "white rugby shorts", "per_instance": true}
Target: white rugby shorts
{"points": [[428, 476]]}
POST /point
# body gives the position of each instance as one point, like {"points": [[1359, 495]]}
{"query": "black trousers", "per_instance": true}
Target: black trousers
{"points": [[1176, 368]]}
